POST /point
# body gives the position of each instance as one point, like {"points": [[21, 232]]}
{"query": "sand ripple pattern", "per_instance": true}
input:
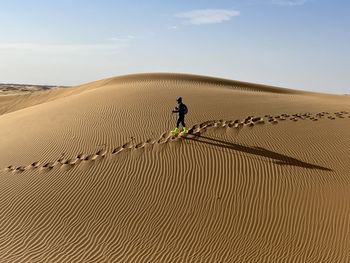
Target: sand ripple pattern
{"points": [[219, 126], [214, 195]]}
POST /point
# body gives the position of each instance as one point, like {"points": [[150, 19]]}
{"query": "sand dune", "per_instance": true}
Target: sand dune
{"points": [[92, 174]]}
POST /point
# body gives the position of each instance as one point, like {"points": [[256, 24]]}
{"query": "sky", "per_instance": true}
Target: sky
{"points": [[301, 44]]}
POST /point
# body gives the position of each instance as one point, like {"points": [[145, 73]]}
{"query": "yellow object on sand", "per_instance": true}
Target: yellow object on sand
{"points": [[175, 131]]}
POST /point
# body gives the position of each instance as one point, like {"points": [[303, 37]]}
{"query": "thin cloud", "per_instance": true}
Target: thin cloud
{"points": [[62, 48], [207, 16], [290, 2]]}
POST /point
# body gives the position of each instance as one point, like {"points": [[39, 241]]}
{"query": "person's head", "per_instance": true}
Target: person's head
{"points": [[179, 100]]}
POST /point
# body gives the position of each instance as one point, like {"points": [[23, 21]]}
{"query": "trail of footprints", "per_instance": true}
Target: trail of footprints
{"points": [[195, 130]]}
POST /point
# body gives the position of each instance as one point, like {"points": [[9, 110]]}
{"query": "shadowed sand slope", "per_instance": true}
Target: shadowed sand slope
{"points": [[92, 174]]}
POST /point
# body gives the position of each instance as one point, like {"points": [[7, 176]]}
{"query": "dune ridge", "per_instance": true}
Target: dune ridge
{"points": [[92, 174], [200, 79], [42, 95]]}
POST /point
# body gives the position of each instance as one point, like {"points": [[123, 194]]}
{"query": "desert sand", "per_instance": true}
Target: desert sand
{"points": [[92, 174]]}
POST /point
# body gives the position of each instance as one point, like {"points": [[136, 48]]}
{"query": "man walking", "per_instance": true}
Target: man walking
{"points": [[182, 110]]}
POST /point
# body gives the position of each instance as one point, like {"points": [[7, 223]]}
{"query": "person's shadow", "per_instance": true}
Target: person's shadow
{"points": [[278, 158]]}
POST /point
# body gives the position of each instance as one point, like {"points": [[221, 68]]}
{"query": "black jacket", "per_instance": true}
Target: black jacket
{"points": [[181, 109]]}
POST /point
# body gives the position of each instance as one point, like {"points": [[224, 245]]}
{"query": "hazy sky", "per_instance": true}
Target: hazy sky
{"points": [[303, 44]]}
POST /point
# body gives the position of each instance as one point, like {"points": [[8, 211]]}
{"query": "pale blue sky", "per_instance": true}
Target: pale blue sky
{"points": [[303, 44]]}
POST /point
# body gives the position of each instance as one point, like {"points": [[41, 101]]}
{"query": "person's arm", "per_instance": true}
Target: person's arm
{"points": [[176, 110]]}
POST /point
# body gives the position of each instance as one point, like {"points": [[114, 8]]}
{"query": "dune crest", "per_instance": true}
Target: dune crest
{"points": [[42, 94]]}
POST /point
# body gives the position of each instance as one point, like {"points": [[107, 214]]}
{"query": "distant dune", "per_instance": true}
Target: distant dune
{"points": [[22, 88], [92, 174]]}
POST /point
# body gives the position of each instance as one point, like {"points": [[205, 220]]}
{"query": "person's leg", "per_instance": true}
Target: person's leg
{"points": [[178, 122], [183, 123], [184, 128], [176, 130]]}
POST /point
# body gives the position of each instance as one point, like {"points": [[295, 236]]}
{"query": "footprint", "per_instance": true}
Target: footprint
{"points": [[102, 153], [47, 166], [248, 119], [127, 145], [74, 161], [63, 161], [81, 156], [217, 125], [118, 150], [174, 139], [204, 129], [10, 168], [164, 134], [246, 122], [258, 120], [196, 133], [164, 140], [150, 141], [206, 123], [140, 145], [96, 157], [88, 157], [191, 130], [240, 125], [20, 169], [34, 165], [232, 125], [214, 124]]}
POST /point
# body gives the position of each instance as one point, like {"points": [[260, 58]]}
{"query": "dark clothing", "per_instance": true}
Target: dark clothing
{"points": [[181, 109], [181, 120]]}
